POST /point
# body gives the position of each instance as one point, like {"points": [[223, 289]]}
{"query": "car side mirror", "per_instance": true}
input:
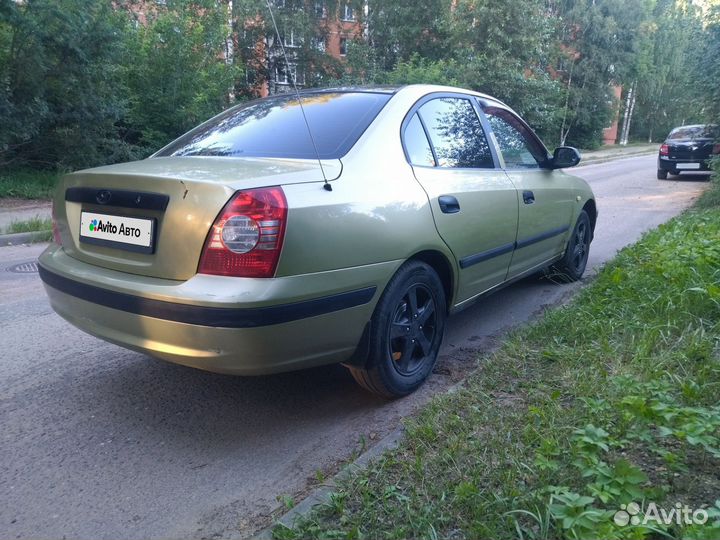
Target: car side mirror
{"points": [[564, 157]]}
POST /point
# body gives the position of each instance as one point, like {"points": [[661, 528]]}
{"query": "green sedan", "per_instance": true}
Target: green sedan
{"points": [[343, 226]]}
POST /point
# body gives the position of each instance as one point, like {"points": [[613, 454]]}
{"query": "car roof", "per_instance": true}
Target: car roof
{"points": [[695, 126], [379, 89], [394, 89]]}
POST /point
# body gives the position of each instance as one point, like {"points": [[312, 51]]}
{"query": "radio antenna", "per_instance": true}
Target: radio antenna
{"points": [[327, 185]]}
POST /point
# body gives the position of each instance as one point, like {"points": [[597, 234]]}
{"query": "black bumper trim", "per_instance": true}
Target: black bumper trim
{"points": [[540, 237], [486, 255], [470, 260], [205, 315]]}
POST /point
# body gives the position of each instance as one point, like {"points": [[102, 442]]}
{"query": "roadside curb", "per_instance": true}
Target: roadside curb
{"points": [[391, 441], [605, 159], [322, 495], [23, 238]]}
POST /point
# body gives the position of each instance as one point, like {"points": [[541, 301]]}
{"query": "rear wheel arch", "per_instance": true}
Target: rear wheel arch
{"points": [[440, 263], [403, 338]]}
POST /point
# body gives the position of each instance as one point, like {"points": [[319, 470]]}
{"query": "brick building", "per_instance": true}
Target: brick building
{"points": [[324, 35]]}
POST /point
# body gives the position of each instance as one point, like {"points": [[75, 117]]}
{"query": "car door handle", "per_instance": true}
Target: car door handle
{"points": [[448, 204], [528, 197]]}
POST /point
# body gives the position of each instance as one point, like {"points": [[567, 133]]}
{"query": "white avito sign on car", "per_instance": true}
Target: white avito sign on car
{"points": [[113, 229], [687, 165]]}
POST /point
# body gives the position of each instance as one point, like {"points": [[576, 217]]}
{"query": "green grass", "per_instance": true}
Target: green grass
{"points": [[31, 225], [28, 183], [610, 400]]}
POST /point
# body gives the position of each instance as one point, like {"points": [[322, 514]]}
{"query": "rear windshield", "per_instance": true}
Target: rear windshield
{"points": [[695, 132], [274, 127]]}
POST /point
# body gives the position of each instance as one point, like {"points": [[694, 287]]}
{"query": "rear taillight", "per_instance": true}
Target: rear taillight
{"points": [[664, 150], [716, 148], [55, 228], [247, 236]]}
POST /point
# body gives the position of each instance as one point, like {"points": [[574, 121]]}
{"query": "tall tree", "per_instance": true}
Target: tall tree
{"points": [[599, 41], [667, 92], [305, 28], [708, 66], [399, 29], [177, 70], [61, 90]]}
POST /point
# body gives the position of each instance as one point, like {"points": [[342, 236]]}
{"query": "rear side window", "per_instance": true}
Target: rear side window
{"points": [[274, 127], [456, 133], [417, 144]]}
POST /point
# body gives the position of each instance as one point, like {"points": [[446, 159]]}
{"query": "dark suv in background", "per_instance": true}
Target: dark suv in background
{"points": [[688, 148]]}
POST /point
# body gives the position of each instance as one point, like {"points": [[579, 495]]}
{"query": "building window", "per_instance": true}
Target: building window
{"points": [[285, 74], [320, 12], [343, 46], [348, 13], [292, 41], [318, 44]]}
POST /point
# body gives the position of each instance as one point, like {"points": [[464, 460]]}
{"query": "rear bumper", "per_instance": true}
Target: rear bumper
{"points": [[228, 325], [670, 164]]}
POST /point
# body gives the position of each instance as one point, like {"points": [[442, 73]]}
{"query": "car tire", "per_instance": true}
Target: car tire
{"points": [[405, 332], [662, 174], [572, 266]]}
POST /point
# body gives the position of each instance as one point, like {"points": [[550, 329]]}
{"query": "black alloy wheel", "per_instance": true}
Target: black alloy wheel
{"points": [[412, 330], [406, 330], [572, 266]]}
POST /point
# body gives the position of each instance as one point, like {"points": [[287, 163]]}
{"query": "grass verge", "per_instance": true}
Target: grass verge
{"points": [[28, 183], [603, 412], [30, 225]]}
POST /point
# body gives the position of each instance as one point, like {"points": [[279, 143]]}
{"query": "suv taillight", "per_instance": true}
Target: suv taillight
{"points": [[716, 148], [664, 150], [247, 236]]}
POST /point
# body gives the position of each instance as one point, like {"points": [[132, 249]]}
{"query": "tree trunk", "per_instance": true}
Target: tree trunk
{"points": [[627, 117], [564, 132], [632, 110], [626, 114]]}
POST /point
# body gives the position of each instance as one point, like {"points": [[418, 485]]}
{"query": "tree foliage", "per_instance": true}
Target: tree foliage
{"points": [[709, 67], [84, 82], [175, 75], [598, 49], [61, 87], [668, 69]]}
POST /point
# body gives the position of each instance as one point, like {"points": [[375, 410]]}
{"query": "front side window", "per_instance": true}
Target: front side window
{"points": [[519, 149], [456, 133], [274, 127]]}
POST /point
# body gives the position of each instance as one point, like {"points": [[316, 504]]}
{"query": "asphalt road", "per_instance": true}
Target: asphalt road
{"points": [[99, 442]]}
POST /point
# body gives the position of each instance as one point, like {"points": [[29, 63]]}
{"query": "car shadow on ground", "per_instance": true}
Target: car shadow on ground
{"points": [[133, 398], [691, 177]]}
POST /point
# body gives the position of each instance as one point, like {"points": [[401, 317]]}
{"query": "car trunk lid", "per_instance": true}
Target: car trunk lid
{"points": [[174, 199], [690, 149]]}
